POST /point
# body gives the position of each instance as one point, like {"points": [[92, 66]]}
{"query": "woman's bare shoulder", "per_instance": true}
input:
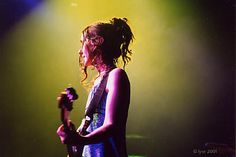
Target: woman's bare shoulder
{"points": [[117, 77], [118, 73]]}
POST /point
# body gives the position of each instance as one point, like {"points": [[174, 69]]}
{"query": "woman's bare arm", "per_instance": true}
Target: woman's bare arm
{"points": [[118, 96]]}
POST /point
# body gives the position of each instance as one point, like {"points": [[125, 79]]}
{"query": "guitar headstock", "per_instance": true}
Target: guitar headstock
{"points": [[66, 98]]}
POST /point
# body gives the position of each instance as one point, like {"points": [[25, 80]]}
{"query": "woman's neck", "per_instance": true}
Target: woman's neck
{"points": [[104, 68]]}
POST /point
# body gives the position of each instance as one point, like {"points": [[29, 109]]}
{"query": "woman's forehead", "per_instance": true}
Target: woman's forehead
{"points": [[82, 37]]}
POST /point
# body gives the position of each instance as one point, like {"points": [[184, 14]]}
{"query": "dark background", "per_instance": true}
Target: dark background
{"points": [[22, 136]]}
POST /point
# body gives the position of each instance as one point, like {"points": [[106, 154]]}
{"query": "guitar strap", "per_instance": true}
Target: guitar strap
{"points": [[94, 103], [97, 96]]}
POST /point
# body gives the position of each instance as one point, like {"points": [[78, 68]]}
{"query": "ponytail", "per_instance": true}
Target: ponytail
{"points": [[124, 37]]}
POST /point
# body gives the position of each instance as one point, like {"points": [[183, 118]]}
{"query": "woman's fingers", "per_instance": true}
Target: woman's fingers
{"points": [[61, 133]]}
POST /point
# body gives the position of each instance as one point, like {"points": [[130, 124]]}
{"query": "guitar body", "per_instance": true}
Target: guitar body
{"points": [[74, 151], [65, 103]]}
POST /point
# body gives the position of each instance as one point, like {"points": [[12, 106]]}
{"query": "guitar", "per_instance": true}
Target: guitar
{"points": [[65, 103]]}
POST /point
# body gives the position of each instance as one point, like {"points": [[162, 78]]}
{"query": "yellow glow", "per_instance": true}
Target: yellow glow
{"points": [[171, 71]]}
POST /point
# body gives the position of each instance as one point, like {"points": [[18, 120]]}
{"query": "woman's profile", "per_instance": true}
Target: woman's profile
{"points": [[103, 133]]}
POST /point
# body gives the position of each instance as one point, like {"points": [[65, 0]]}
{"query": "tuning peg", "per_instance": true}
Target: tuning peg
{"points": [[71, 92]]}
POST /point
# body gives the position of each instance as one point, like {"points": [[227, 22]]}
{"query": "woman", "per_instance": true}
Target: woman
{"points": [[102, 45]]}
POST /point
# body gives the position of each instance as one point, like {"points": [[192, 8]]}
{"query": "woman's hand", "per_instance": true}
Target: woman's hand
{"points": [[61, 133], [71, 136]]}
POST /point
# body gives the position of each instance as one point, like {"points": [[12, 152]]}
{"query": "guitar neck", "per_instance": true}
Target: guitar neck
{"points": [[73, 150], [65, 117], [65, 102]]}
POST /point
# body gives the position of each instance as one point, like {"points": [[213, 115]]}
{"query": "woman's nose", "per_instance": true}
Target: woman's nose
{"points": [[80, 52]]}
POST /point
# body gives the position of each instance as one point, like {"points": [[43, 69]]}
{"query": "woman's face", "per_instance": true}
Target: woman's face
{"points": [[86, 52]]}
